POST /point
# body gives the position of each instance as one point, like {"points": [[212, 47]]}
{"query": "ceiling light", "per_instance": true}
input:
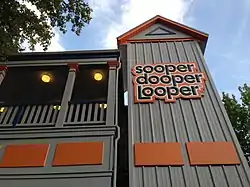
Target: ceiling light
{"points": [[46, 78], [56, 107], [103, 106], [1, 109], [98, 76]]}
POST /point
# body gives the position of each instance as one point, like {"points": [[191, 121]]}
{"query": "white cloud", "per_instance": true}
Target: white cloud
{"points": [[134, 12], [101, 6], [54, 46], [55, 41]]}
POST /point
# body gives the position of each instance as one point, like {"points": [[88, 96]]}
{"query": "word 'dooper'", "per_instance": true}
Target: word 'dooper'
{"points": [[167, 81]]}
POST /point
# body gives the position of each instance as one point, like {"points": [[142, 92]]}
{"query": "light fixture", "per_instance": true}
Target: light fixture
{"points": [[103, 106], [2, 109], [46, 78], [98, 76], [56, 107]]}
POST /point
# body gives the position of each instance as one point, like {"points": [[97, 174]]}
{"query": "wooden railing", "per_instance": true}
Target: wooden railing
{"points": [[86, 112], [78, 113], [29, 115]]}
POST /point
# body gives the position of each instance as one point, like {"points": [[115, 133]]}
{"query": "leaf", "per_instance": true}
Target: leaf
{"points": [[18, 23], [239, 114]]}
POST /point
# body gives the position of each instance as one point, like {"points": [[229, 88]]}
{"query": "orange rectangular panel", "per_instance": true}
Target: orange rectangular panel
{"points": [[158, 154], [25, 155], [212, 153], [78, 153]]}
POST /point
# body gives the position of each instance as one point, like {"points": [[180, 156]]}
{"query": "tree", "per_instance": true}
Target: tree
{"points": [[239, 114], [18, 23]]}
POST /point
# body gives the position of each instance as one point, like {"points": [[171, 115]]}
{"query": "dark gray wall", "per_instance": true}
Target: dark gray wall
{"points": [[183, 121], [75, 176], [78, 181]]}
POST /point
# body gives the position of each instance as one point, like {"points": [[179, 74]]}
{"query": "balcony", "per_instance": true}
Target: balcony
{"points": [[72, 98]]}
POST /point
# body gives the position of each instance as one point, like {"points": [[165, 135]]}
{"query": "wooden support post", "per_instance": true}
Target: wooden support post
{"points": [[73, 68]]}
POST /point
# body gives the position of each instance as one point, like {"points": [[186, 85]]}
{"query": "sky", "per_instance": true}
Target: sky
{"points": [[226, 21]]}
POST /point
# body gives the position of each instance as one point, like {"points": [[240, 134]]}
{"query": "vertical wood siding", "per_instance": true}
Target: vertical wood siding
{"points": [[183, 121]]}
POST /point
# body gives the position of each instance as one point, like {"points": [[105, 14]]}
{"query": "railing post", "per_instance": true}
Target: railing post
{"points": [[3, 70], [73, 68], [112, 88]]}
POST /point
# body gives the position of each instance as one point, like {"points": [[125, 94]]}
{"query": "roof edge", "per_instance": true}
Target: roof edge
{"points": [[196, 34], [81, 54], [65, 52]]}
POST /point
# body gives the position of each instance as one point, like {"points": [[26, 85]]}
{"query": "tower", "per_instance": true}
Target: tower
{"points": [[178, 131]]}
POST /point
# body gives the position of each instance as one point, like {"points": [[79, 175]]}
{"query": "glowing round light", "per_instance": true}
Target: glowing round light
{"points": [[56, 107], [98, 76], [46, 78], [1, 109], [103, 106]]}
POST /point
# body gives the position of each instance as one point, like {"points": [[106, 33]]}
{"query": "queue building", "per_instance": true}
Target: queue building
{"points": [[63, 121]]}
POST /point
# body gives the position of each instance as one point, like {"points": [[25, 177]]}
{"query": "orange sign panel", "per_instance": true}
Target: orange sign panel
{"points": [[158, 154], [28, 155], [78, 153], [212, 153]]}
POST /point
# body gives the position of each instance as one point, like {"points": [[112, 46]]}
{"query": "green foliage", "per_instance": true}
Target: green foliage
{"points": [[239, 114], [18, 23]]}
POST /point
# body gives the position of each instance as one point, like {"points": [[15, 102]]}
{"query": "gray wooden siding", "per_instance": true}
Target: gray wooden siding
{"points": [[75, 176], [183, 121]]}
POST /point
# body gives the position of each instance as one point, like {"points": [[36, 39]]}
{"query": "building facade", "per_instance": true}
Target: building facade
{"points": [[63, 121]]}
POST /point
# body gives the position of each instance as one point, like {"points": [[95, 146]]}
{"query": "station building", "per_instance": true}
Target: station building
{"points": [[64, 122]]}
